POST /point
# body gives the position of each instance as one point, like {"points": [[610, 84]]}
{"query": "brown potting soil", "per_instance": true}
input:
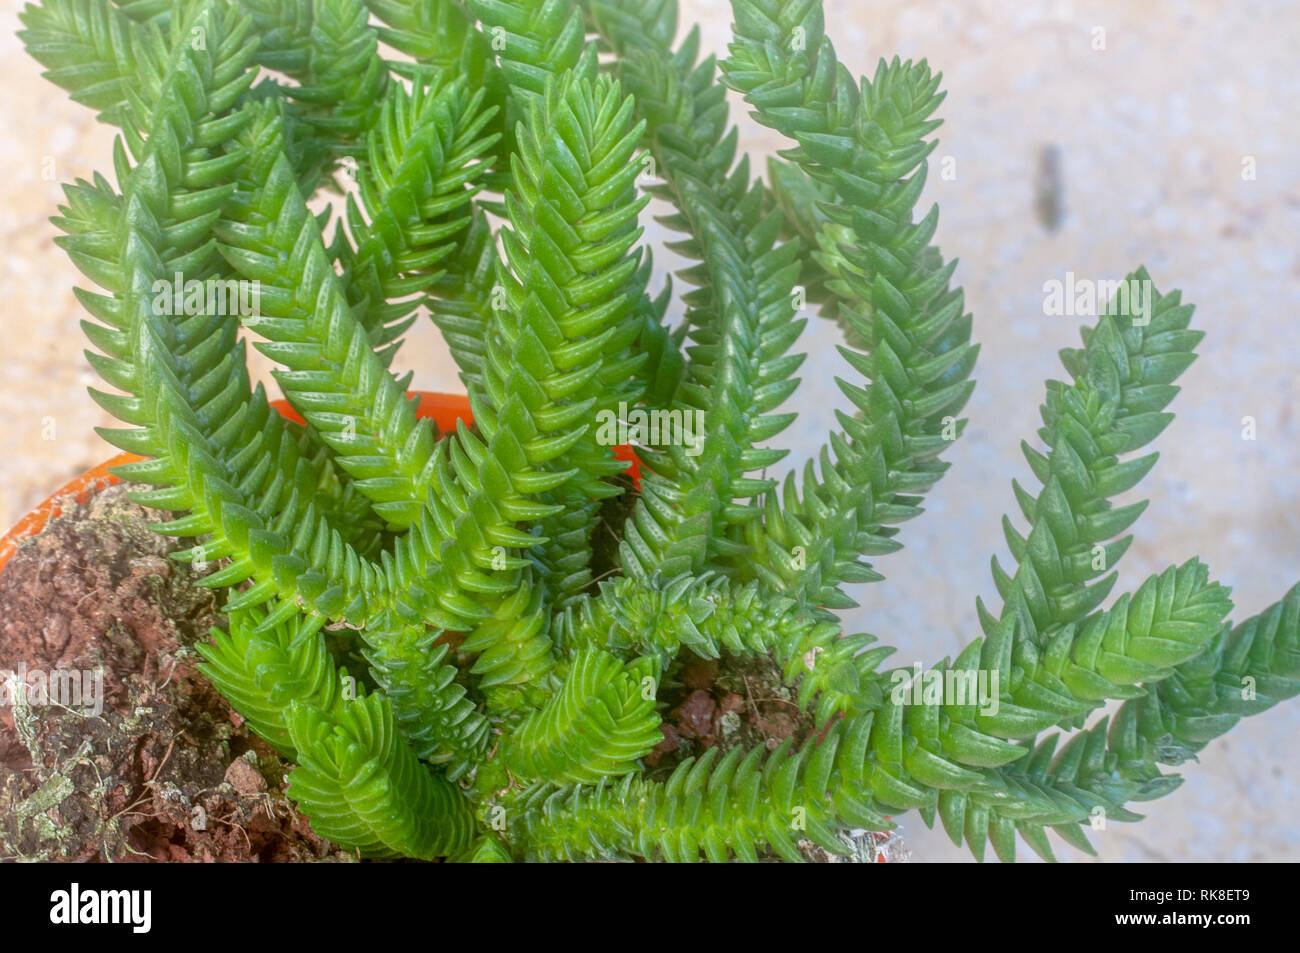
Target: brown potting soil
{"points": [[166, 771]]}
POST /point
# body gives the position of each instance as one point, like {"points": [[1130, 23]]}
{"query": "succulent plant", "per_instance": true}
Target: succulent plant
{"points": [[462, 638]]}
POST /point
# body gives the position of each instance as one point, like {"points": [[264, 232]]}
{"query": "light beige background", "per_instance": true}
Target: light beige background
{"points": [[1153, 131]]}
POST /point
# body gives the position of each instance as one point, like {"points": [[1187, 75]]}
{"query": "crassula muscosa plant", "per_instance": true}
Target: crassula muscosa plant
{"points": [[462, 638]]}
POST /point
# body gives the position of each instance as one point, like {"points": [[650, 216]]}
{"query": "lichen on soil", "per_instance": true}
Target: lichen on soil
{"points": [[166, 771]]}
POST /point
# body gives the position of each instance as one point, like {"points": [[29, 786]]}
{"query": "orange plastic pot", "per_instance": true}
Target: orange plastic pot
{"points": [[445, 410]]}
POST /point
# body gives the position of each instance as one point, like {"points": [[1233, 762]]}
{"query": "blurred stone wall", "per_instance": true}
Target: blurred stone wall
{"points": [[1173, 127]]}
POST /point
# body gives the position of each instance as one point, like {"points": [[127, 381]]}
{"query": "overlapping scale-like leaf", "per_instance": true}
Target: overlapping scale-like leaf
{"points": [[597, 725], [557, 351], [1123, 380], [741, 317], [864, 149], [362, 788], [424, 157]]}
